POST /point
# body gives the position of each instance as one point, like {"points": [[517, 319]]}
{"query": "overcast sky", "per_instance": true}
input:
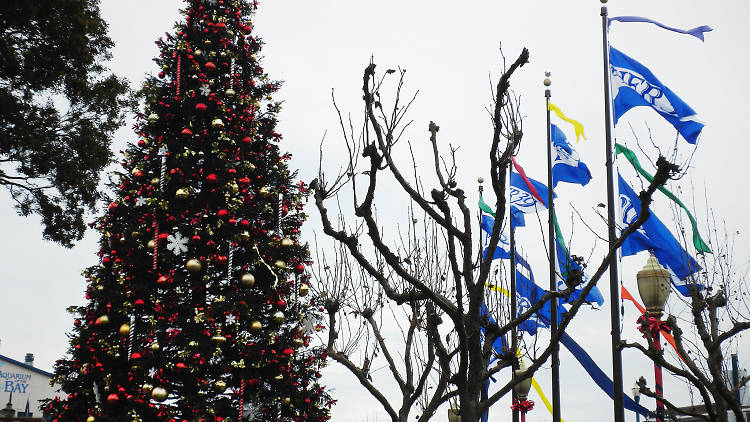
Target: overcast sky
{"points": [[451, 50]]}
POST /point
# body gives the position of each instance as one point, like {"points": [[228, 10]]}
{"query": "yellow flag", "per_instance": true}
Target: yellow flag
{"points": [[576, 124]]}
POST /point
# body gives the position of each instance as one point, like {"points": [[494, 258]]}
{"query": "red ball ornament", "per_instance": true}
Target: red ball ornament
{"points": [[299, 269], [223, 213], [195, 239], [113, 398], [186, 133], [281, 304], [210, 66], [139, 303], [212, 178], [246, 140], [200, 107], [112, 206]]}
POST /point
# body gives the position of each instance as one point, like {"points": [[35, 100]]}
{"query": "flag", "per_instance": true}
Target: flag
{"points": [[698, 242], [576, 124], [634, 85], [696, 32], [566, 164], [503, 243], [525, 194], [654, 236], [516, 216]]}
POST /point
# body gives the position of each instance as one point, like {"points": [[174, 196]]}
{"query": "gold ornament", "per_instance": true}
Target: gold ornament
{"points": [[147, 388], [193, 265], [155, 346], [279, 377], [278, 317], [124, 329], [298, 342], [264, 191], [220, 386], [286, 242], [197, 52], [304, 289], [90, 419], [280, 264], [218, 338], [150, 244], [217, 124], [154, 181], [102, 320], [229, 93], [286, 401], [153, 118], [182, 193], [193, 343], [256, 326], [247, 280], [159, 394]]}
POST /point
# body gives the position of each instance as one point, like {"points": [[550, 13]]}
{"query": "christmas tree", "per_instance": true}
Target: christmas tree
{"points": [[198, 309]]}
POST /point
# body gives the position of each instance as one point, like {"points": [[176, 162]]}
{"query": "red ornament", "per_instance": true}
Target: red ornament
{"points": [[186, 133], [200, 107], [113, 398], [210, 66], [212, 178], [223, 213], [195, 239], [299, 269], [246, 140], [139, 303]]}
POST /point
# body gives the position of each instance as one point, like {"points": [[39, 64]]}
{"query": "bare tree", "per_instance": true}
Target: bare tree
{"points": [[436, 276]]}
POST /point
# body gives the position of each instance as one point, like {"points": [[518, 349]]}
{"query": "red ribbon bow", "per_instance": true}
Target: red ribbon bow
{"points": [[522, 406], [653, 325]]}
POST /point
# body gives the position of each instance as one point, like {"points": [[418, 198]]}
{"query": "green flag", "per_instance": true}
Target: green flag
{"points": [[698, 242], [484, 207]]}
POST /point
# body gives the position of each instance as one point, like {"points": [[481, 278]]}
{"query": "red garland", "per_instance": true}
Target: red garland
{"points": [[653, 325], [523, 406]]}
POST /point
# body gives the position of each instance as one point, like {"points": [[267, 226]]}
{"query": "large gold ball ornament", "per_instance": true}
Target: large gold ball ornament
{"points": [[217, 124], [286, 401], [197, 52], [124, 329], [286, 242], [278, 317], [264, 191], [229, 93], [304, 289], [150, 244], [194, 265], [102, 320], [220, 386], [256, 326], [247, 280], [90, 419], [280, 264], [155, 346], [159, 394], [182, 193], [153, 118]]}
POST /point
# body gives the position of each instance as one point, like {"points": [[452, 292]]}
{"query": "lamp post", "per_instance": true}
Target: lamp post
{"points": [[522, 404], [653, 287], [637, 397]]}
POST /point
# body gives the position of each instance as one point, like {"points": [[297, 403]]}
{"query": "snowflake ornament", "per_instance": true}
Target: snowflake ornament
{"points": [[231, 319], [212, 2], [205, 90], [250, 411], [163, 151], [177, 244], [140, 201]]}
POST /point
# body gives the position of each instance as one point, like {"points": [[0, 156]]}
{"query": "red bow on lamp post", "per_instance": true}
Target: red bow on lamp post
{"points": [[521, 404]]}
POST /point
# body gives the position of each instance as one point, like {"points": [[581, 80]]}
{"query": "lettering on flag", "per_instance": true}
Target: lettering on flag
{"points": [[652, 94]]}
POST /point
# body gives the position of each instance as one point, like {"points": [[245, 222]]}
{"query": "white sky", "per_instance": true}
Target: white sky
{"points": [[450, 51]]}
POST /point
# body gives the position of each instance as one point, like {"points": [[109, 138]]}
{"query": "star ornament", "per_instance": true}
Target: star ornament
{"points": [[177, 244]]}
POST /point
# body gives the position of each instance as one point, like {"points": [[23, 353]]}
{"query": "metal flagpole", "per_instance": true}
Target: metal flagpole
{"points": [[614, 285], [513, 296], [552, 263]]}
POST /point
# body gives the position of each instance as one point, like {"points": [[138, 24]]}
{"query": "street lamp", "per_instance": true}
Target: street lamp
{"points": [[653, 287], [637, 397], [522, 404]]}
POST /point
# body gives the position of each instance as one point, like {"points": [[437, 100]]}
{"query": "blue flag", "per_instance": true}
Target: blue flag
{"points": [[696, 32], [522, 199], [654, 236], [566, 164], [503, 243], [566, 265], [634, 85]]}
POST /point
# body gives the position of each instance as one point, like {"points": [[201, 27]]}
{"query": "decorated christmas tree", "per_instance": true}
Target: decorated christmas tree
{"points": [[198, 309]]}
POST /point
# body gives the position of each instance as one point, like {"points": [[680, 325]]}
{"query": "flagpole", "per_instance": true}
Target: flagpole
{"points": [[513, 295], [552, 262], [614, 284]]}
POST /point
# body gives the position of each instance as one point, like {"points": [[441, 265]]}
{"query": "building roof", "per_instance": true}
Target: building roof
{"points": [[26, 366]]}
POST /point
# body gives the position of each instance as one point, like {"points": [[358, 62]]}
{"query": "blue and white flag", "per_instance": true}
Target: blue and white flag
{"points": [[654, 236], [503, 243], [522, 199], [634, 85], [566, 164]]}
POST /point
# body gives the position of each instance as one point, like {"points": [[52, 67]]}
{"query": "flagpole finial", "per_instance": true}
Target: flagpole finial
{"points": [[547, 80], [603, 1], [480, 180]]}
